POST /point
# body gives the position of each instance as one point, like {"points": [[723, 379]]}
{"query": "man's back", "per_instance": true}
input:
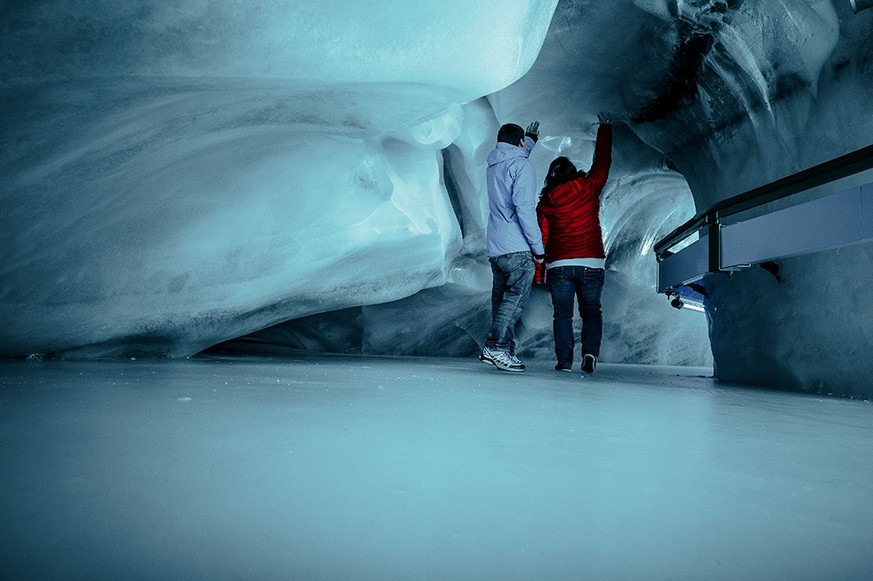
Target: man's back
{"points": [[511, 180]]}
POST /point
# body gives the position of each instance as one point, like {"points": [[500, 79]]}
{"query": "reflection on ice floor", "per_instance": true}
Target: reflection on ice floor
{"points": [[378, 468]]}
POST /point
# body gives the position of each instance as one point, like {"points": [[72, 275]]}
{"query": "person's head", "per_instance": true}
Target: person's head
{"points": [[512, 134], [561, 171]]}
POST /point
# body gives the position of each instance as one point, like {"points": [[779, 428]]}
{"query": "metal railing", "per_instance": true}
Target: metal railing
{"points": [[709, 247]]}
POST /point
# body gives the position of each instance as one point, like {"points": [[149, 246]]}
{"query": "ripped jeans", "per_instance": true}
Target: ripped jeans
{"points": [[513, 278]]}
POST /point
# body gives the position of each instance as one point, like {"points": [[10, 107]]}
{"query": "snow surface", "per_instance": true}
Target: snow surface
{"points": [[328, 467]]}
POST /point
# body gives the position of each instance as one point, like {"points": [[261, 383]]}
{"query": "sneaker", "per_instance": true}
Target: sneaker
{"points": [[485, 356], [589, 363], [502, 359], [560, 367]]}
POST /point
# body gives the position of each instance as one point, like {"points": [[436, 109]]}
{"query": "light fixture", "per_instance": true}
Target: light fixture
{"points": [[677, 301]]}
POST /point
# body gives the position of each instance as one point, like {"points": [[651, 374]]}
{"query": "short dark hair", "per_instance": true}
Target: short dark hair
{"points": [[510, 133]]}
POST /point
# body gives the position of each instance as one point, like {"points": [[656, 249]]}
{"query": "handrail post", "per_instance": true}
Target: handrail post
{"points": [[714, 227]]}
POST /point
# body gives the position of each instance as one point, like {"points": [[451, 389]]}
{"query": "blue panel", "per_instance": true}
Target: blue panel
{"points": [[684, 266], [838, 220], [819, 225]]}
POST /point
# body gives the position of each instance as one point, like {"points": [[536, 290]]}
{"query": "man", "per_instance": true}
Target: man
{"points": [[569, 218], [514, 240]]}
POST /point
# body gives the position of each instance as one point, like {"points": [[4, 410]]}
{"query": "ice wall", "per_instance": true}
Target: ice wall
{"points": [[766, 90], [775, 88], [734, 95], [579, 72], [607, 59], [177, 176], [174, 177]]}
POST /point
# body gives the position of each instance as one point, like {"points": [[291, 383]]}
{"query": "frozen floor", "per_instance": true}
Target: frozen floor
{"points": [[379, 468]]}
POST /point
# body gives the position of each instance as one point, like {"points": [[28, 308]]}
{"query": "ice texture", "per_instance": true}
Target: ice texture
{"points": [[735, 95], [785, 86], [169, 191], [175, 177], [178, 177]]}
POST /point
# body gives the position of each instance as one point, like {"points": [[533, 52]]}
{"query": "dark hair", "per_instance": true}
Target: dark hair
{"points": [[561, 171], [510, 133]]}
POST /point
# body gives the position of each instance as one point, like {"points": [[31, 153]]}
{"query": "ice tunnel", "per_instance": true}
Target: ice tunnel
{"points": [[309, 175]]}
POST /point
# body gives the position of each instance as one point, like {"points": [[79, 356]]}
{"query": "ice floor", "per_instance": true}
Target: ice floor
{"points": [[379, 468]]}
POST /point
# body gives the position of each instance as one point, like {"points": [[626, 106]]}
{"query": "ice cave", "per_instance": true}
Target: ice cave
{"points": [[280, 178], [309, 175]]}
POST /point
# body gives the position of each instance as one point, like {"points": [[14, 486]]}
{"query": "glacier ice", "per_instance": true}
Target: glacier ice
{"points": [[178, 176], [779, 92], [173, 179]]}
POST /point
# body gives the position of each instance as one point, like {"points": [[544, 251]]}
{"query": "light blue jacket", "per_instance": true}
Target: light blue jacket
{"points": [[512, 201]]}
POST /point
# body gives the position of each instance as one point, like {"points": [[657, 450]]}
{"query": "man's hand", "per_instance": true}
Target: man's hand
{"points": [[533, 131]]}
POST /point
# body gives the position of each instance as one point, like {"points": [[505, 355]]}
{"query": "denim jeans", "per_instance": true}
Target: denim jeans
{"points": [[586, 285], [513, 278]]}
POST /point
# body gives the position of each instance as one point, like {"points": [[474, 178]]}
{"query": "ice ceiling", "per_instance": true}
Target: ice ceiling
{"points": [[176, 176]]}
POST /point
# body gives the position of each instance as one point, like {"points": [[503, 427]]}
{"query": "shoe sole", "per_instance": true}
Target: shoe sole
{"points": [[511, 369]]}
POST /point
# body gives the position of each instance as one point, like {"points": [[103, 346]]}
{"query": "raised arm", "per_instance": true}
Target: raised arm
{"points": [[602, 153], [531, 135]]}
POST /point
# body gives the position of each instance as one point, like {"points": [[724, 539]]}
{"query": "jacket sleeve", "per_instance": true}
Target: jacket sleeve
{"points": [[602, 156], [544, 226], [528, 145], [524, 198]]}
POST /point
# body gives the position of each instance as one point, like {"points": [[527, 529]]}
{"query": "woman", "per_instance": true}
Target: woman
{"points": [[569, 217]]}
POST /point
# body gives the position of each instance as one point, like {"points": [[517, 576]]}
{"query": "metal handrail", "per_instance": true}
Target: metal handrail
{"points": [[829, 171]]}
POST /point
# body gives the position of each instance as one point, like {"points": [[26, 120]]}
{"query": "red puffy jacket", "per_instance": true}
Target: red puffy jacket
{"points": [[569, 214]]}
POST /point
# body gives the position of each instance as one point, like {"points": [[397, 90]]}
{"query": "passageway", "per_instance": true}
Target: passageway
{"points": [[409, 468]]}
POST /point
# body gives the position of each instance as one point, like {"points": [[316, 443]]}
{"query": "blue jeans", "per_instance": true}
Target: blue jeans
{"points": [[586, 285], [513, 278]]}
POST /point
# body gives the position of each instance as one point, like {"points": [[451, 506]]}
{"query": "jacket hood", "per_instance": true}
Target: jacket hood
{"points": [[558, 195], [504, 152]]}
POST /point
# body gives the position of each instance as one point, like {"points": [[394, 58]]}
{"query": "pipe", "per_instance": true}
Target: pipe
{"points": [[859, 5]]}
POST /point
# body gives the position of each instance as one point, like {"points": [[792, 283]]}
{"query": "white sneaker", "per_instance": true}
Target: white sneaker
{"points": [[502, 359]]}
